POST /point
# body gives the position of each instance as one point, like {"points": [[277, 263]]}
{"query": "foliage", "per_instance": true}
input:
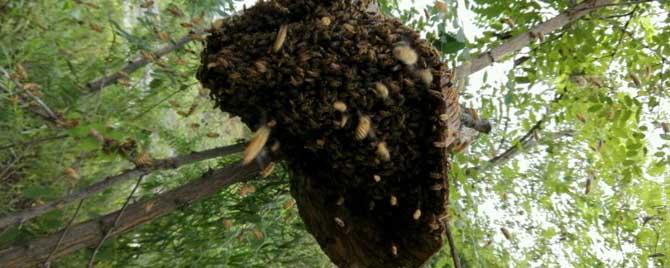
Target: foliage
{"points": [[593, 191]]}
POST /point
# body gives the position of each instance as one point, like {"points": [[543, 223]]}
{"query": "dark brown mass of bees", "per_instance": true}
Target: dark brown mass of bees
{"points": [[361, 111]]}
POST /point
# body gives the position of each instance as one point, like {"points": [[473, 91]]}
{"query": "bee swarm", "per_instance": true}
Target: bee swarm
{"points": [[353, 97]]}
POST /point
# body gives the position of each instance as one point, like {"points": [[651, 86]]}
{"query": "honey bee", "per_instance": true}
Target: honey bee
{"points": [[393, 201], [71, 173], [93, 132], [435, 175], [506, 233], [426, 76], [350, 28], [163, 36], [381, 90], [417, 214], [508, 21], [536, 35], [342, 122], [281, 37], [256, 144], [267, 170], [394, 249], [363, 127], [377, 178], [440, 7], [383, 152], [405, 54], [340, 106], [261, 66], [217, 24], [340, 201], [143, 159], [325, 21], [339, 222], [436, 187], [275, 147]]}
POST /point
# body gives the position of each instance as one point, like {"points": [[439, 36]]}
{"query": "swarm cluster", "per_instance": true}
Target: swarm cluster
{"points": [[355, 105]]}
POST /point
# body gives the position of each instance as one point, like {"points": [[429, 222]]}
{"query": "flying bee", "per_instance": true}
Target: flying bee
{"points": [[383, 152], [256, 144], [340, 201], [405, 54], [394, 249], [281, 37], [267, 170], [339, 222], [417, 214], [393, 201], [426, 76], [377, 178], [275, 147], [340, 106], [381, 90], [363, 127]]}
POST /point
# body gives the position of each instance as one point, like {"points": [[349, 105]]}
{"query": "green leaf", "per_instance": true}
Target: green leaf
{"points": [[448, 44], [39, 191]]}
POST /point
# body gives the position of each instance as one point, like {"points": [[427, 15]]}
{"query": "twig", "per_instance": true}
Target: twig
{"points": [[658, 54], [155, 105], [452, 245], [522, 40], [50, 115], [168, 163], [88, 233], [625, 28], [116, 222], [32, 142], [139, 62], [47, 262]]}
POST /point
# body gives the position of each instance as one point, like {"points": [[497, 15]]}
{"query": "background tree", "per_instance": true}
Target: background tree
{"points": [[574, 172]]}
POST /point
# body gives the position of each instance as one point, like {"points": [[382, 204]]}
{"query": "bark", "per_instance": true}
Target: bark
{"points": [[88, 233], [168, 163], [516, 43]]}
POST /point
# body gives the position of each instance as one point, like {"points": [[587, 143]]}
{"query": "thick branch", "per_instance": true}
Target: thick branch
{"points": [[88, 233], [523, 40], [168, 163], [139, 62]]}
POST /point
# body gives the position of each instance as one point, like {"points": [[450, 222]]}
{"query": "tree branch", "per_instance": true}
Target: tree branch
{"points": [[452, 245], [88, 233], [168, 163], [139, 62], [47, 261], [522, 40], [116, 222], [31, 142], [46, 112], [529, 140]]}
